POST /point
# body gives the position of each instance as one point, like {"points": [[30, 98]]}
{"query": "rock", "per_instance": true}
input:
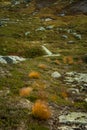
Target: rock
{"points": [[24, 104], [71, 42], [65, 128], [74, 117], [62, 14], [73, 91], [78, 77], [27, 33], [2, 60], [72, 127], [34, 13], [47, 19], [40, 29], [50, 27], [14, 2], [56, 74], [64, 36], [78, 36], [17, 2], [4, 92], [85, 100], [69, 31], [4, 72], [11, 59], [48, 52]]}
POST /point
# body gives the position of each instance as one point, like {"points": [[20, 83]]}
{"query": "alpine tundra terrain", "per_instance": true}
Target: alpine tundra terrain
{"points": [[43, 65]]}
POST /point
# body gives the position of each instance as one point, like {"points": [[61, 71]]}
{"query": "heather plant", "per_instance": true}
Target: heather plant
{"points": [[34, 51]]}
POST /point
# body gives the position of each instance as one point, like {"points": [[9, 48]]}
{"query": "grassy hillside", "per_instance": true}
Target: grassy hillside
{"points": [[20, 35]]}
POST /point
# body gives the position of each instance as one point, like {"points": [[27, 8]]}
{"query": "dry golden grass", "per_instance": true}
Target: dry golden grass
{"points": [[41, 110], [24, 92], [53, 97], [39, 85], [42, 66], [64, 95], [57, 62], [34, 74], [42, 95], [68, 60]]}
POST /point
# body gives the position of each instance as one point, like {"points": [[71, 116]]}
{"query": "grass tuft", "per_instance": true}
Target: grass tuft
{"points": [[34, 74], [41, 110], [24, 92]]}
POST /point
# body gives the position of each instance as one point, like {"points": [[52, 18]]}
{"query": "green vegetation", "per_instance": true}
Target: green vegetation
{"points": [[15, 40]]}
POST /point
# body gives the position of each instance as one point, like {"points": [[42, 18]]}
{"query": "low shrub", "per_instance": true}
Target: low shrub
{"points": [[34, 52]]}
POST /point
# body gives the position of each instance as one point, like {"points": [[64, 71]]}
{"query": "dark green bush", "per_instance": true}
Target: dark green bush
{"points": [[34, 52]]}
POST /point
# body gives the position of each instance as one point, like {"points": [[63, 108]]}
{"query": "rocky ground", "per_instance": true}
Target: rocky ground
{"points": [[40, 36]]}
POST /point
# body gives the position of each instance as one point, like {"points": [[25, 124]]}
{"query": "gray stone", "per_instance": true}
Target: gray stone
{"points": [[64, 36], [27, 33], [85, 100], [71, 42], [78, 36], [73, 90], [11, 59], [2, 60], [62, 15], [79, 77], [48, 19], [40, 29], [74, 117], [4, 92], [24, 104], [50, 27], [69, 30], [65, 128], [48, 52], [56, 74], [17, 2]]}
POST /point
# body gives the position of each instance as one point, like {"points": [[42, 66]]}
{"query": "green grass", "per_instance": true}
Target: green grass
{"points": [[14, 42]]}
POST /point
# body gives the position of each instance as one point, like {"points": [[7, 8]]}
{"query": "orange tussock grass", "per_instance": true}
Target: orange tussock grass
{"points": [[64, 95], [41, 110], [34, 74], [39, 85], [42, 95], [68, 60], [57, 62], [42, 66], [24, 92], [53, 97]]}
